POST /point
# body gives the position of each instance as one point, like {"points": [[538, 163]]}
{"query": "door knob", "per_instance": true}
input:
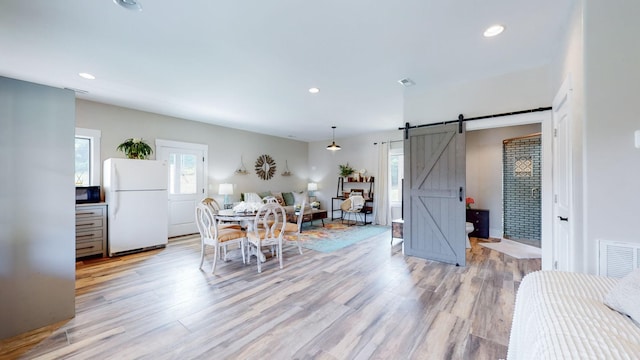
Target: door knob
{"points": [[563, 218]]}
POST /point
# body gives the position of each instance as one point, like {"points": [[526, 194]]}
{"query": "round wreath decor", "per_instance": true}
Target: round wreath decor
{"points": [[265, 167]]}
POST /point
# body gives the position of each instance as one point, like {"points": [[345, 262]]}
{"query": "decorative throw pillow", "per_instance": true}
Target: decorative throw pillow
{"points": [[288, 198], [299, 197], [278, 196], [625, 296], [265, 194]]}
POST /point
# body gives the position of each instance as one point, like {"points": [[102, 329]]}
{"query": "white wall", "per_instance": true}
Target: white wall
{"points": [[484, 169], [612, 88], [358, 151], [225, 146], [599, 55], [509, 92], [569, 64], [523, 90], [37, 206]]}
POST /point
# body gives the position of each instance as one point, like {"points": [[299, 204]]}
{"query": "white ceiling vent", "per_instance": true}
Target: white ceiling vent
{"points": [[406, 82]]}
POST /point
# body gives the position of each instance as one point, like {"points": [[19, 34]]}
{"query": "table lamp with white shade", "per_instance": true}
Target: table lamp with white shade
{"points": [[226, 190], [311, 189]]}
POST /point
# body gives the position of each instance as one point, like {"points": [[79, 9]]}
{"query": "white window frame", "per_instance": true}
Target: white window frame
{"points": [[393, 151], [94, 137]]}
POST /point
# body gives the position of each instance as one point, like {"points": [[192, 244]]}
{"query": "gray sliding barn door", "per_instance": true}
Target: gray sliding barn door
{"points": [[434, 203]]}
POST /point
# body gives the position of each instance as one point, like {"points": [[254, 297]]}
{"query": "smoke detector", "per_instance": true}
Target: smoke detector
{"points": [[406, 82]]}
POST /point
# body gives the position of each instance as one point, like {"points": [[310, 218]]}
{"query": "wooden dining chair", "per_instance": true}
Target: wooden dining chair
{"points": [[218, 238], [268, 231]]}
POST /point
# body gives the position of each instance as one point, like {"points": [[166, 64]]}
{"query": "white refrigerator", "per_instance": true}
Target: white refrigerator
{"points": [[136, 194]]}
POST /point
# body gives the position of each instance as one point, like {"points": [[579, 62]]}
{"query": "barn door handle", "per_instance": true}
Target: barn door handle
{"points": [[461, 192], [563, 218]]}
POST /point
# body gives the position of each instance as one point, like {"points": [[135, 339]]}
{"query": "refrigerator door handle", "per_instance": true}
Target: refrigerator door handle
{"points": [[114, 179], [115, 203], [114, 191]]}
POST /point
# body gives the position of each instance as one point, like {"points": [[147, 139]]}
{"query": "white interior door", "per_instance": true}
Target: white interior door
{"points": [[187, 183], [434, 174], [562, 234]]}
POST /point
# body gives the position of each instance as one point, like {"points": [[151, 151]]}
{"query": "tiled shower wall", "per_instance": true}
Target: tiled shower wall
{"points": [[521, 187]]}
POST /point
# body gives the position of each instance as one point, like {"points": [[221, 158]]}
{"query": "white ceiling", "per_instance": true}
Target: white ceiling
{"points": [[248, 64]]}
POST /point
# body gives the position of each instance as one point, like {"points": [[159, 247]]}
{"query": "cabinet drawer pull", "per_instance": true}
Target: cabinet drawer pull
{"points": [[85, 235], [86, 213], [89, 224], [84, 248]]}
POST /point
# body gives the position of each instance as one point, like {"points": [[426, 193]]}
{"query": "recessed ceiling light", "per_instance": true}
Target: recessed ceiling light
{"points": [[314, 90], [87, 76], [129, 4], [493, 30]]}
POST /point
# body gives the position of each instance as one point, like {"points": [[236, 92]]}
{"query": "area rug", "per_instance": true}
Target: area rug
{"points": [[514, 249], [335, 235]]}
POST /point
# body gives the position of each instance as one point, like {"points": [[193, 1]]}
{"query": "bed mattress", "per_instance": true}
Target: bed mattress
{"points": [[561, 315]]}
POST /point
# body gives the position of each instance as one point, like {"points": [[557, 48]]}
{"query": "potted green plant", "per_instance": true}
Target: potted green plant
{"points": [[346, 170], [135, 148]]}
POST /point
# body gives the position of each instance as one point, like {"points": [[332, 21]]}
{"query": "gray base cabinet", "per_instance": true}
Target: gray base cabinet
{"points": [[91, 229]]}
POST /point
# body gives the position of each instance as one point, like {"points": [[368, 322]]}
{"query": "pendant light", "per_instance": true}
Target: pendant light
{"points": [[333, 146]]}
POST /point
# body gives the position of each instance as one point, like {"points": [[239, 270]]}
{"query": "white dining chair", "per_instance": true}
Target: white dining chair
{"points": [[218, 238], [214, 206], [293, 230], [268, 231]]}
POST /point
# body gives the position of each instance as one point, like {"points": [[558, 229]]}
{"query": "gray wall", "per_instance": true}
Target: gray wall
{"points": [[37, 206]]}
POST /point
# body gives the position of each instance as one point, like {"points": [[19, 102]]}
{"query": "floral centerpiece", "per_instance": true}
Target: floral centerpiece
{"points": [[469, 201], [245, 207], [315, 204], [135, 148]]}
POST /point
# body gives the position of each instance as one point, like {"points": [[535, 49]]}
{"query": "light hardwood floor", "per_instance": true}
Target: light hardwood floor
{"points": [[365, 301]]}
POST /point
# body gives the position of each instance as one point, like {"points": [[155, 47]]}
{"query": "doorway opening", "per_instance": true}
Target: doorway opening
{"points": [[187, 179], [485, 173], [521, 183]]}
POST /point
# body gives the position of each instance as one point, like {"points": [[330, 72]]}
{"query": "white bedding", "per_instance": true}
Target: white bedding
{"points": [[561, 315]]}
